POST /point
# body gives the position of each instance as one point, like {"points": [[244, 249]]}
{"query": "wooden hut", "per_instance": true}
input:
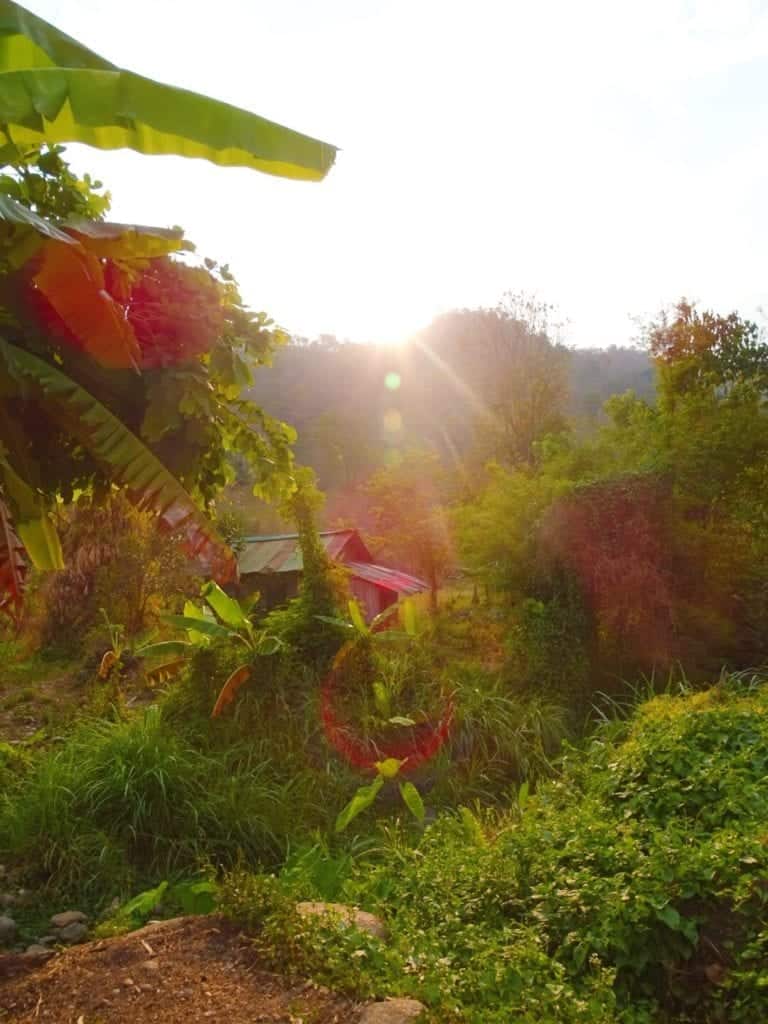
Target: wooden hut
{"points": [[273, 566]]}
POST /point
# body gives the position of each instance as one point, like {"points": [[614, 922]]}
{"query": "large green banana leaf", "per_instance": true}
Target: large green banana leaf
{"points": [[122, 456], [53, 89]]}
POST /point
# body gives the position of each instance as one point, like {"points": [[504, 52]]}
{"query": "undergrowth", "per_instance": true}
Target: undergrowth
{"points": [[633, 888]]}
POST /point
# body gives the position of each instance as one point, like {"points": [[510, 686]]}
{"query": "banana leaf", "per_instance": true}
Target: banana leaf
{"points": [[73, 283], [230, 688], [13, 569], [32, 520], [53, 89], [123, 457]]}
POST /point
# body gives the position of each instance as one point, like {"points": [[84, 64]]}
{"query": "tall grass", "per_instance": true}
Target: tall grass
{"points": [[127, 798]]}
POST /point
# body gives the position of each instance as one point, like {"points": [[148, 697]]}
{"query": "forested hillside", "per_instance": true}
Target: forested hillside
{"points": [[351, 402]]}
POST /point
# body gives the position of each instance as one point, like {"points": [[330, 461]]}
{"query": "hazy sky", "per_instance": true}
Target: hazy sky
{"points": [[609, 155]]}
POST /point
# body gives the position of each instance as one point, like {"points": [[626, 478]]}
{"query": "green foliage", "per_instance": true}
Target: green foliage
{"points": [[54, 89], [116, 561], [41, 180], [306, 625], [549, 644], [126, 798], [632, 888], [407, 505]]}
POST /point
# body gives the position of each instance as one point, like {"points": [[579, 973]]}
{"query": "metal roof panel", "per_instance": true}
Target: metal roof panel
{"points": [[390, 579]]}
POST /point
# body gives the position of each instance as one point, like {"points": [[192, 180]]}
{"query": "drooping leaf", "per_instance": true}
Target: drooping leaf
{"points": [[409, 617], [53, 89], [32, 520], [194, 625], [378, 620], [13, 569], [143, 905], [362, 799], [108, 662], [268, 644], [412, 799], [72, 281], [356, 616], [230, 688], [165, 649], [226, 607], [112, 241], [191, 611], [125, 459]]}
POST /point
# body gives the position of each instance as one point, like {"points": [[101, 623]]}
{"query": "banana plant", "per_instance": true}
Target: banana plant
{"points": [[364, 632], [226, 620], [361, 631], [53, 89], [386, 771]]}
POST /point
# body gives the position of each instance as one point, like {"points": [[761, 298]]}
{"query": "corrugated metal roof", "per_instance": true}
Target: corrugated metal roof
{"points": [[281, 552], [390, 579]]}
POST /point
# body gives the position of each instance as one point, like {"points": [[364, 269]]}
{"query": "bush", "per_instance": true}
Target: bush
{"points": [[117, 559], [633, 888]]}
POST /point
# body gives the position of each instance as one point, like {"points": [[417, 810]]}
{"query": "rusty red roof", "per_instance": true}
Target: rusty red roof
{"points": [[390, 579]]}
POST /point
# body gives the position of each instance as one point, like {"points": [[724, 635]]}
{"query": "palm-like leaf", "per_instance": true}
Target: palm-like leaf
{"points": [[53, 89], [122, 456]]}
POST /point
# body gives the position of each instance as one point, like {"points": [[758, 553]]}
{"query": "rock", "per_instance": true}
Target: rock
{"points": [[73, 933], [48, 940], [37, 950], [392, 1011], [346, 917], [7, 930], [151, 965], [7, 899], [67, 918]]}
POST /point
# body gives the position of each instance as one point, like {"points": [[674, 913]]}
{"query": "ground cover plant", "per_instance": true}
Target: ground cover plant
{"points": [[633, 888]]}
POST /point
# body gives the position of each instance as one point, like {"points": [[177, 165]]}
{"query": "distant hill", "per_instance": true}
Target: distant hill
{"points": [[351, 402]]}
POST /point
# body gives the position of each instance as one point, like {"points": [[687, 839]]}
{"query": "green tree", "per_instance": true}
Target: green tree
{"points": [[516, 379], [407, 504]]}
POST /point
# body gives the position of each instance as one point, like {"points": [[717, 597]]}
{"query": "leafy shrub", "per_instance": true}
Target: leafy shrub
{"points": [[634, 888], [118, 560]]}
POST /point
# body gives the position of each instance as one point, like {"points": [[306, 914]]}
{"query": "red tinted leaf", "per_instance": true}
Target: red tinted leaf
{"points": [[230, 688], [72, 281], [13, 569]]}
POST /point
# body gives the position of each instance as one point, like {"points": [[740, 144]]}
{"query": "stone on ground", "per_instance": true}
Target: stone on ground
{"points": [[73, 933], [67, 918], [346, 916], [392, 1011]]}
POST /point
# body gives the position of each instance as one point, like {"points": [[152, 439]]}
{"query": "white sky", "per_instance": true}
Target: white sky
{"points": [[608, 155]]}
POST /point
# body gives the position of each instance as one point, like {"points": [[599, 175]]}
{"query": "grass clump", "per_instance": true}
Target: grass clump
{"points": [[128, 799]]}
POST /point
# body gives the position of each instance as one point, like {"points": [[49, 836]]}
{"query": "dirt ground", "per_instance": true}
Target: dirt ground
{"points": [[189, 970]]}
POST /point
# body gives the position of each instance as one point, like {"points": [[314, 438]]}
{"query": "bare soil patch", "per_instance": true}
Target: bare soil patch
{"points": [[185, 971]]}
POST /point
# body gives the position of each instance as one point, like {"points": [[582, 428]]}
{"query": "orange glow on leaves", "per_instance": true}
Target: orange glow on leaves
{"points": [[72, 281]]}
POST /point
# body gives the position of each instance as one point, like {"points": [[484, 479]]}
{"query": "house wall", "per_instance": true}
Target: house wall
{"points": [[276, 588], [371, 598]]}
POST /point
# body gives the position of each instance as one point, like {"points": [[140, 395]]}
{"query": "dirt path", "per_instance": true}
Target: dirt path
{"points": [[185, 971]]}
